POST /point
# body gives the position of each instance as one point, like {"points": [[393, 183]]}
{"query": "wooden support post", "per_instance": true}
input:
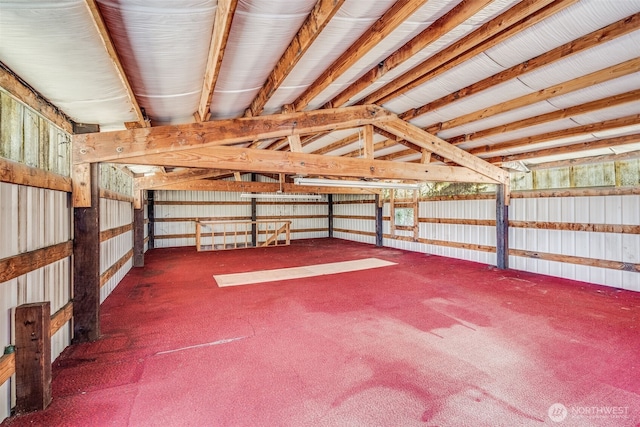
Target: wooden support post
{"points": [[330, 214], [379, 203], [254, 217], [86, 265], [502, 227], [138, 237], [33, 357], [151, 216]]}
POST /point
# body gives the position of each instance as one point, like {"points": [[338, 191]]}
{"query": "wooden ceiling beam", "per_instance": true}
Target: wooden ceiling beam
{"points": [[568, 149], [256, 160], [105, 37], [442, 148], [260, 187], [389, 21], [317, 20], [603, 35], [555, 135], [225, 11], [619, 70], [107, 146], [521, 16], [159, 180], [565, 113], [456, 16], [341, 143]]}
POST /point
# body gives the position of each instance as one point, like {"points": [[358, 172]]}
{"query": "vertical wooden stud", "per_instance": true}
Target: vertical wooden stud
{"points": [[33, 357], [379, 203], [254, 217], [502, 227], [86, 265], [330, 213], [138, 237], [368, 141], [151, 216]]}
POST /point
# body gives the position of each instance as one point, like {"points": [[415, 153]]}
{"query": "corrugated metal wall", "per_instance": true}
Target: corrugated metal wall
{"points": [[176, 212], [116, 213], [34, 218], [450, 228], [30, 219]]}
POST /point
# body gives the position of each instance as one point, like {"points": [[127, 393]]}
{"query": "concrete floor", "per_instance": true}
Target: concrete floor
{"points": [[430, 341]]}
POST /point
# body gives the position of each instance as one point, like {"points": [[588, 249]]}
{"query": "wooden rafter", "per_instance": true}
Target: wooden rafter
{"points": [[521, 16], [158, 180], [103, 31], [225, 11], [341, 143], [568, 149], [260, 187], [107, 146], [456, 16], [390, 20], [319, 17], [603, 35], [441, 147], [600, 104], [600, 76], [256, 160], [555, 135]]}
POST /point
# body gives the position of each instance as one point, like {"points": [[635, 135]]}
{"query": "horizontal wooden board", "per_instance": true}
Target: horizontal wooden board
{"points": [[111, 271], [18, 265], [20, 174], [113, 195], [113, 232]]}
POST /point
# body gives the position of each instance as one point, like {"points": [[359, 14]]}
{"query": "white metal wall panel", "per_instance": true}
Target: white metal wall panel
{"points": [[113, 214], [612, 210]]}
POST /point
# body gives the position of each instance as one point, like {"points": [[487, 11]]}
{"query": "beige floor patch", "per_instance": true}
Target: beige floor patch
{"points": [[262, 276]]}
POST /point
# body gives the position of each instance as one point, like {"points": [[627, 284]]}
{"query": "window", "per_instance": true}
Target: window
{"points": [[404, 214]]}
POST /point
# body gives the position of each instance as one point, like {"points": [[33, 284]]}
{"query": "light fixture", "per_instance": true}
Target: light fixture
{"points": [[280, 196], [349, 184]]}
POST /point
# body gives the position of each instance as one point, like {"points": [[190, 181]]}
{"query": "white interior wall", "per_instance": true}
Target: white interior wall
{"points": [[589, 210]]}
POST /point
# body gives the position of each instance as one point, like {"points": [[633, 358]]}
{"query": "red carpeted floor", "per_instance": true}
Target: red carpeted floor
{"points": [[430, 341]]}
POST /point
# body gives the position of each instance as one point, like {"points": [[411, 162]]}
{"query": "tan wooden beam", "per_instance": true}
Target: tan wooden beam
{"points": [[24, 93], [21, 174], [439, 146], [270, 161], [295, 144], [367, 137], [456, 16], [108, 146], [103, 32], [318, 18], [519, 17], [225, 11], [389, 21], [551, 136], [599, 104], [341, 143], [397, 155], [81, 185], [261, 187], [376, 147], [425, 156], [159, 180], [625, 68], [603, 35], [568, 149]]}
